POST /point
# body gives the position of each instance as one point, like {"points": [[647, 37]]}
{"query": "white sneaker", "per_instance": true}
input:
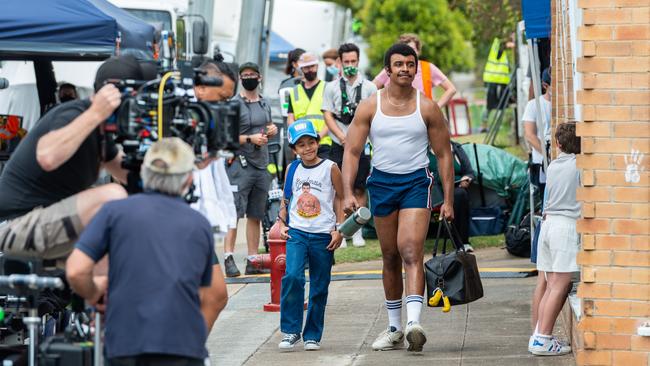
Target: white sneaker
{"points": [[543, 346], [415, 336], [357, 239], [289, 341], [468, 248], [312, 346], [530, 343], [388, 340], [344, 243]]}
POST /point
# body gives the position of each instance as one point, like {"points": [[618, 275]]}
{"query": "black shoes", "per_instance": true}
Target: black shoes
{"points": [[231, 267], [253, 268]]}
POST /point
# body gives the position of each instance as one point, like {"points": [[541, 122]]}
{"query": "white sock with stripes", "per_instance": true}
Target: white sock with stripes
{"points": [[413, 308], [394, 308]]}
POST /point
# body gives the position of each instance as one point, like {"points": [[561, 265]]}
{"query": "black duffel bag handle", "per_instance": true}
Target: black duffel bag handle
{"points": [[453, 235]]}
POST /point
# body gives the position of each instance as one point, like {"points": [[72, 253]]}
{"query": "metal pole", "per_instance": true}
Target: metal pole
{"points": [[32, 322], [267, 48], [251, 29], [537, 88], [98, 339]]}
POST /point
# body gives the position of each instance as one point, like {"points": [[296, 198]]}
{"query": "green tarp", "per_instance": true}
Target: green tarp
{"points": [[502, 172]]}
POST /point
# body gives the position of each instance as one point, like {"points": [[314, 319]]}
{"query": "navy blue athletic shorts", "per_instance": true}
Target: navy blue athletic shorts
{"points": [[391, 192]]}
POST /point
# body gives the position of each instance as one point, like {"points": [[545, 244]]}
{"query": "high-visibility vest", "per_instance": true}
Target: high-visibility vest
{"points": [[497, 70], [305, 108]]}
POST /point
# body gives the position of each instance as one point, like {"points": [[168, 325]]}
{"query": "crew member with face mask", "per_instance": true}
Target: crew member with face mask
{"points": [[67, 92], [332, 64], [248, 170], [306, 101], [340, 101]]}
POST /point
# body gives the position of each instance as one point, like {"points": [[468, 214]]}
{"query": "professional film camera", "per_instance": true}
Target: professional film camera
{"points": [[166, 106]]}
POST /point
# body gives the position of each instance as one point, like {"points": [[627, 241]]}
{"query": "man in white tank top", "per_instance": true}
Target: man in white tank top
{"points": [[401, 125]]}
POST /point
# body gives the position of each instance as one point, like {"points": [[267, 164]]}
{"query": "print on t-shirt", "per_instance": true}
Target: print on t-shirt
{"points": [[308, 205]]}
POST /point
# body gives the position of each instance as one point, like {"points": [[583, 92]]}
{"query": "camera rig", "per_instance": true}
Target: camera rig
{"points": [[167, 107]]}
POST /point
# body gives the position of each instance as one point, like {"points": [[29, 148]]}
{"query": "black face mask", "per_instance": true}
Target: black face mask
{"points": [[250, 84], [311, 76]]}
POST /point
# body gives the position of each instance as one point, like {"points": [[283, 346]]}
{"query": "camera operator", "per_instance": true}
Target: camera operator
{"points": [[161, 257], [340, 100], [222, 186], [45, 189], [248, 170]]}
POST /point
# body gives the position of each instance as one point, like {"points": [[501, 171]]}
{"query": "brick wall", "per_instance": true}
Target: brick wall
{"points": [[615, 131]]}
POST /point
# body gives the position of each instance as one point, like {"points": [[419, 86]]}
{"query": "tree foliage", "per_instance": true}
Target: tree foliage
{"points": [[444, 33], [489, 18]]}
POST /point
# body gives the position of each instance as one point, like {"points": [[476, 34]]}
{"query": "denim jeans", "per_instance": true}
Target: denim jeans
{"points": [[302, 247]]}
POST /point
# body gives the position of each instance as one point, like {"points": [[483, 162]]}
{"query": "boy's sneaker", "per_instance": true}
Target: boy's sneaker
{"points": [[312, 346], [530, 343], [357, 239], [415, 336], [231, 267], [289, 341], [388, 340], [549, 346]]}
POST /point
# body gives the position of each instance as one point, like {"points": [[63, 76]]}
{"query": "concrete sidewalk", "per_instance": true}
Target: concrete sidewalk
{"points": [[491, 331]]}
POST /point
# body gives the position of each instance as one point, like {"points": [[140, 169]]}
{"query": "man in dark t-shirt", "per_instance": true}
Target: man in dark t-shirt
{"points": [[161, 257], [45, 194]]}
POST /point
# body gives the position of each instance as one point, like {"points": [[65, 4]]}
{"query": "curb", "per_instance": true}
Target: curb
{"points": [[376, 275]]}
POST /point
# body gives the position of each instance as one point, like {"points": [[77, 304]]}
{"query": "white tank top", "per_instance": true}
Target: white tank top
{"points": [[312, 199], [399, 143]]}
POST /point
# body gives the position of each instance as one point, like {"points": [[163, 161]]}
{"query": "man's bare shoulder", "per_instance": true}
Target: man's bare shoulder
{"points": [[368, 106], [430, 110], [370, 101]]}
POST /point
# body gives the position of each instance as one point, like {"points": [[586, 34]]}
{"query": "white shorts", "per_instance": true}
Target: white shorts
{"points": [[558, 245]]}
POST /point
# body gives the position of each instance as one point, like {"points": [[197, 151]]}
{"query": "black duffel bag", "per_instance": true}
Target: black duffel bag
{"points": [[455, 273]]}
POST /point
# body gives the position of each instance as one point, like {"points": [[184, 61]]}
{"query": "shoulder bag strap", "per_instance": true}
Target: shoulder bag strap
{"points": [[288, 183], [454, 235], [427, 84]]}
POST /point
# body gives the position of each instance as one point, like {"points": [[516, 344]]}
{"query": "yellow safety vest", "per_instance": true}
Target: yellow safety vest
{"points": [[305, 108], [497, 70]]}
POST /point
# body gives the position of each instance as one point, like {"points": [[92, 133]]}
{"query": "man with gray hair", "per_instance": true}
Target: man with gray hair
{"points": [[164, 291]]}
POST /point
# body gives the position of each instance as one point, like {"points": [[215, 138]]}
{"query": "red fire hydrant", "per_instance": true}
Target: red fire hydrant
{"points": [[278, 249]]}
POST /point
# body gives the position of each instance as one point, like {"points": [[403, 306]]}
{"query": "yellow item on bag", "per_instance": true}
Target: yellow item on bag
{"points": [[446, 305], [435, 299]]}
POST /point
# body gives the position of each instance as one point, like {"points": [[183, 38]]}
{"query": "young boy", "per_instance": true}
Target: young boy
{"points": [[313, 211], [558, 240]]}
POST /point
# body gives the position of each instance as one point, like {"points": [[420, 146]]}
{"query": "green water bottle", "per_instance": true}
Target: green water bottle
{"points": [[354, 222]]}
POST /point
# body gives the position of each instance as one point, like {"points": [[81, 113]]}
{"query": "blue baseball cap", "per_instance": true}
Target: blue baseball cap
{"points": [[300, 128]]}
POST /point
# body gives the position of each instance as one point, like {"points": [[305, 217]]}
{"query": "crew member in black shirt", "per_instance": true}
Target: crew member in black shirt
{"points": [[46, 198]]}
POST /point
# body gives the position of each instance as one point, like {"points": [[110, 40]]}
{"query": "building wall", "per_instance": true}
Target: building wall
{"points": [[614, 67]]}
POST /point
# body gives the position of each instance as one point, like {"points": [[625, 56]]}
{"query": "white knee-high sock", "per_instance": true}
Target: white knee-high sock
{"points": [[413, 308], [394, 309]]}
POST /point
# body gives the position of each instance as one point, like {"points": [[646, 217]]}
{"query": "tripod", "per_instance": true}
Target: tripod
{"points": [[497, 120]]}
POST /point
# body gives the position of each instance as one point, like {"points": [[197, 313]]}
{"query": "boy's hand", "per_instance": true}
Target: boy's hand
{"points": [[337, 238], [284, 232]]}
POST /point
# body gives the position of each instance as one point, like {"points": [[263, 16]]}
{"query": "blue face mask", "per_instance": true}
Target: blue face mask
{"points": [[333, 70]]}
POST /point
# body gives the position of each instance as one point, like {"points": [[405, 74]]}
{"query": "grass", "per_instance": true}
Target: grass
{"points": [[372, 251]]}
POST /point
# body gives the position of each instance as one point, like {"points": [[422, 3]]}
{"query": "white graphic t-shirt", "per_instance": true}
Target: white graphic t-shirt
{"points": [[312, 200]]}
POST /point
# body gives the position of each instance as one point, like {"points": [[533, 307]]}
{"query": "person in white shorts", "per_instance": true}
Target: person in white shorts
{"points": [[558, 241]]}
